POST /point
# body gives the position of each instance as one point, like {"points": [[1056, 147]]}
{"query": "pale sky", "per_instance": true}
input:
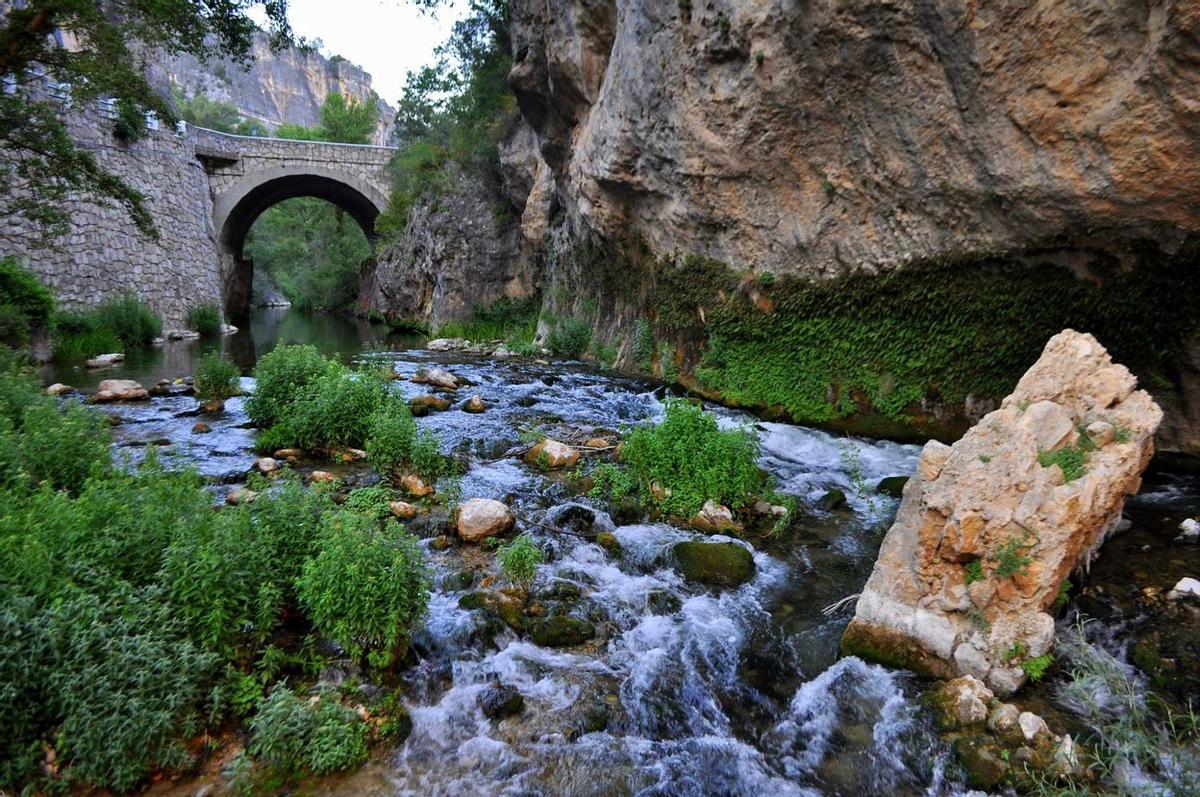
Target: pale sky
{"points": [[388, 38]]}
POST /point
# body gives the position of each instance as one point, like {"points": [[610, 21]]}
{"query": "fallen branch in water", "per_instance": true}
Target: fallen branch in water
{"points": [[832, 608]]}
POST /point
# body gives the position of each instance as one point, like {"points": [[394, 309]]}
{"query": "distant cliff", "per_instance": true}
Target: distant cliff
{"points": [[285, 86]]}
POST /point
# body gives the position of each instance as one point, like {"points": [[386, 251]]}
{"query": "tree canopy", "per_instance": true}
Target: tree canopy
{"points": [[99, 49]]}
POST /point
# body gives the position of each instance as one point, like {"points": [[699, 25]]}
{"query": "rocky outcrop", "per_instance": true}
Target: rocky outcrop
{"points": [[989, 528], [829, 136], [713, 165], [287, 85], [459, 251]]}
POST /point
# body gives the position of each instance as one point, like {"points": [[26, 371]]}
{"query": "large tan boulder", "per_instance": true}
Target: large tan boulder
{"points": [[119, 390], [990, 527], [551, 454], [481, 518]]}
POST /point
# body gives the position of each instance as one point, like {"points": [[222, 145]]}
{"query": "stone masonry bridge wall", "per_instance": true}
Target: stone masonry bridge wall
{"points": [[204, 189]]}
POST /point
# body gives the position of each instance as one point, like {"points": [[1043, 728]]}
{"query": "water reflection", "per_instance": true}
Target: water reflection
{"points": [[334, 335]]}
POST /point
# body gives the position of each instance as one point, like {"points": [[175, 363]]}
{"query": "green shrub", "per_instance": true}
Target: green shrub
{"points": [[205, 319], [335, 410], [612, 482], [14, 326], [396, 446], [216, 377], [668, 370], [18, 388], [21, 289], [974, 571], [281, 377], [570, 338], [390, 437], [222, 582], [1072, 460], [367, 587], [297, 737], [374, 502], [1011, 558], [290, 518], [692, 460], [1036, 667], [125, 688], [519, 559], [132, 322], [78, 336], [60, 449]]}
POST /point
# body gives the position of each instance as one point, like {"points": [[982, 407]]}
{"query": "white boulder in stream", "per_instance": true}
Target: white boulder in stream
{"points": [[989, 528]]}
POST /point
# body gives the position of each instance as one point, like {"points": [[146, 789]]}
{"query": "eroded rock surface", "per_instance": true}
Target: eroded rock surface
{"points": [[990, 527]]}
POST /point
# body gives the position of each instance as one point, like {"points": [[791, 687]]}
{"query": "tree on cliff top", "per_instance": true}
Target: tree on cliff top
{"points": [[99, 49]]}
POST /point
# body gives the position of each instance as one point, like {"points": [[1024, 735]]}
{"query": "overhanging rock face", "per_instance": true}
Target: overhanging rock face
{"points": [[990, 527]]}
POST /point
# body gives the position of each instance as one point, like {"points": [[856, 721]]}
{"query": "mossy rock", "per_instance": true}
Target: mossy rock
{"points": [[559, 590], [560, 631], [717, 564], [981, 760], [885, 646], [609, 542], [892, 486], [472, 600], [832, 500], [460, 581]]}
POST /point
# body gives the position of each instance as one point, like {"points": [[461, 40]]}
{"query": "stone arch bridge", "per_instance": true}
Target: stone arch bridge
{"points": [[247, 175], [204, 190]]}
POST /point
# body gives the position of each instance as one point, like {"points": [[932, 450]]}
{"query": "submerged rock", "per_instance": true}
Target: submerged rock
{"points": [[560, 631], [550, 454], [498, 702], [423, 405], [718, 564], [892, 486], [834, 499], [200, 427], [481, 518], [989, 528]]}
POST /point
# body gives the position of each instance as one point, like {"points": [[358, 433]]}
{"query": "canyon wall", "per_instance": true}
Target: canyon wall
{"points": [[870, 216], [288, 85]]}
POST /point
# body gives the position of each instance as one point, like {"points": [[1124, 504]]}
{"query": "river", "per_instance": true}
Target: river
{"points": [[685, 690]]}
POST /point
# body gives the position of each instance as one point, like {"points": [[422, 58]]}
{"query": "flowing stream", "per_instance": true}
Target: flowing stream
{"points": [[684, 690]]}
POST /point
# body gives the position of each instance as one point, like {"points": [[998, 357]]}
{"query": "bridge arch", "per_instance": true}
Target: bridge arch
{"points": [[248, 175]]}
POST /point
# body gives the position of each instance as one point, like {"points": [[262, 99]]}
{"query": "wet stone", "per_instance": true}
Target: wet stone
{"points": [[498, 702], [560, 631], [718, 564], [892, 486]]}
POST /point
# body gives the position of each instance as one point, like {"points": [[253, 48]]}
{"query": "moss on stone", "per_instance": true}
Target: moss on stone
{"points": [[885, 646], [560, 631], [718, 564]]}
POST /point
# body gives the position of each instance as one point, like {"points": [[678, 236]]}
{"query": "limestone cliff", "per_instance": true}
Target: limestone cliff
{"points": [[826, 136], [990, 528], [728, 177], [288, 85]]}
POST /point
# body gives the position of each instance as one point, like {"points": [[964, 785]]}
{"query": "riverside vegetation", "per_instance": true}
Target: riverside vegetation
{"points": [[139, 620]]}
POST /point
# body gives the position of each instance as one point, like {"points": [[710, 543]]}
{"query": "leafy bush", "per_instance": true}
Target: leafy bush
{"points": [[519, 559], [281, 377], [127, 687], [111, 326], [290, 519], [1036, 667], [18, 388], [205, 319], [974, 571], [374, 502], [396, 446], [391, 433], [367, 586], [61, 449], [216, 377], [25, 292], [223, 584], [134, 323], [297, 737], [642, 349], [336, 410], [687, 459], [612, 482], [570, 338], [14, 326]]}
